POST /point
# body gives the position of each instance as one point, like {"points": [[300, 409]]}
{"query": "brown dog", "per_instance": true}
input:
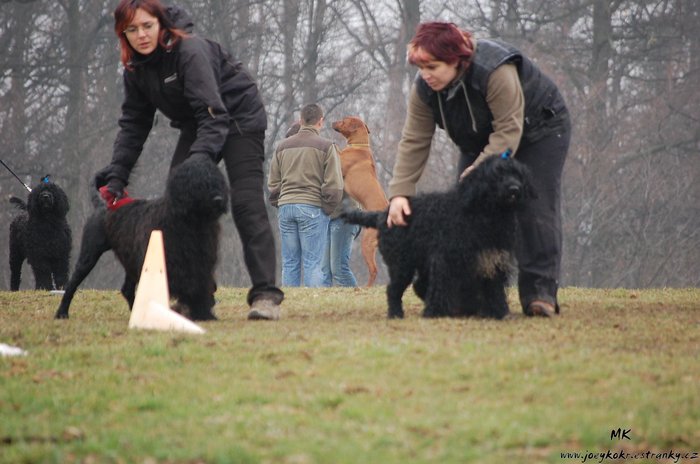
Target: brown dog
{"points": [[361, 183]]}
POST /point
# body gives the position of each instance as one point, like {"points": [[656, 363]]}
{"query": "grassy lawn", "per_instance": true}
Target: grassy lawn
{"points": [[334, 381]]}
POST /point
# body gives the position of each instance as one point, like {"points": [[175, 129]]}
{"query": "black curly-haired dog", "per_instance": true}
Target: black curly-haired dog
{"points": [[188, 214], [41, 235], [458, 244]]}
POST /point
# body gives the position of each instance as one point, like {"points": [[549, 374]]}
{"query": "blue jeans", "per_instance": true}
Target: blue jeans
{"points": [[303, 233], [336, 263]]}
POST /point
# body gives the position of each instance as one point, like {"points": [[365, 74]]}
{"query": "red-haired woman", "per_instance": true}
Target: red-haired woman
{"points": [[213, 100], [489, 98]]}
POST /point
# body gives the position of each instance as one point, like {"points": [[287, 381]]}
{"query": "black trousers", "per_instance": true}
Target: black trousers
{"points": [[539, 246], [243, 156]]}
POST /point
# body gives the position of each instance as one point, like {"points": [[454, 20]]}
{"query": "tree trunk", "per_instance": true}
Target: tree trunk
{"points": [[316, 17], [400, 76]]}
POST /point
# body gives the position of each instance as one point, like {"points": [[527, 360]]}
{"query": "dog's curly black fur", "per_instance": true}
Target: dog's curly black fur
{"points": [[188, 214], [458, 244], [41, 235]]}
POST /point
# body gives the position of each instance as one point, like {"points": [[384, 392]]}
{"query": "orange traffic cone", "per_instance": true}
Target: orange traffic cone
{"points": [[151, 308]]}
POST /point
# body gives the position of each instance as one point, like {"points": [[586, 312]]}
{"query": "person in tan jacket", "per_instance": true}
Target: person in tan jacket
{"points": [[491, 100], [306, 185]]}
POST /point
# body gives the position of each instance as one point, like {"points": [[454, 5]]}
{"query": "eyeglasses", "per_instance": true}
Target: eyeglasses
{"points": [[133, 30]]}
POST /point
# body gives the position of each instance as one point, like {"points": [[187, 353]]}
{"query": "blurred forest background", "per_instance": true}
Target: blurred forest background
{"points": [[629, 70]]}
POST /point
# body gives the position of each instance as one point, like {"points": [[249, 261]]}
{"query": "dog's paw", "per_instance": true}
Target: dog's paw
{"points": [[208, 316]]}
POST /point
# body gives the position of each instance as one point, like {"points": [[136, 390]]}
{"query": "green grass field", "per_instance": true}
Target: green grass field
{"points": [[334, 381]]}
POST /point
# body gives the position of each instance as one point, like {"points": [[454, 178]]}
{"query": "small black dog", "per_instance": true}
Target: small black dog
{"points": [[188, 214], [458, 244], [42, 236]]}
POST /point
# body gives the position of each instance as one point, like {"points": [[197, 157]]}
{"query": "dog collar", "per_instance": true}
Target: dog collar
{"points": [[359, 144], [112, 203]]}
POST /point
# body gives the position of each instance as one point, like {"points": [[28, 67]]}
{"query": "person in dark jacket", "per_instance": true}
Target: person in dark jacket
{"points": [[490, 99], [213, 100]]}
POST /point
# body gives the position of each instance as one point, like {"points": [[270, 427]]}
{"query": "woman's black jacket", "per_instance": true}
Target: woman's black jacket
{"points": [[198, 86]]}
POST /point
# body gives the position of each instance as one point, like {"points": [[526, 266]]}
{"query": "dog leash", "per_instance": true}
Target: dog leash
{"points": [[16, 176]]}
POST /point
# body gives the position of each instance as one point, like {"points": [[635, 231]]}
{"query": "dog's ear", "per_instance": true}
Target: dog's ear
{"points": [[471, 191], [528, 183], [355, 123], [31, 199], [62, 203], [475, 189]]}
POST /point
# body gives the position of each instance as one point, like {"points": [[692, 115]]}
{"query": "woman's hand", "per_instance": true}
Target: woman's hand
{"points": [[399, 208]]}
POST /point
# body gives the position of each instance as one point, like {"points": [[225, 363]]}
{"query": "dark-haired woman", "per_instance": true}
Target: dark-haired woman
{"points": [[489, 98], [214, 101]]}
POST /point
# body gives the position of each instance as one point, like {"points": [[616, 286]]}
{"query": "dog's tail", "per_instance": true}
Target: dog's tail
{"points": [[18, 203], [373, 219]]}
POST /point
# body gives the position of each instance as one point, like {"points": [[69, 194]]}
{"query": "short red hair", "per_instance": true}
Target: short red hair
{"points": [[442, 42], [123, 15]]}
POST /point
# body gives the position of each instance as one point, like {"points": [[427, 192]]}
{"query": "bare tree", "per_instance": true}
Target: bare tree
{"points": [[629, 70]]}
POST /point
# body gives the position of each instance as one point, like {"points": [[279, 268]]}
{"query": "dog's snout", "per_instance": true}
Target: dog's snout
{"points": [[46, 199], [218, 201], [514, 192]]}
